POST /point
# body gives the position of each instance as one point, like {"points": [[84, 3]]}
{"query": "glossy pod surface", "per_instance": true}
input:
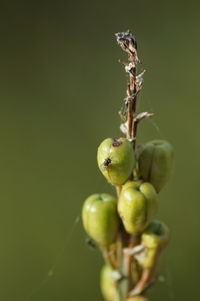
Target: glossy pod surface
{"points": [[100, 218], [107, 284], [154, 239], [156, 162], [137, 205], [156, 234], [116, 160]]}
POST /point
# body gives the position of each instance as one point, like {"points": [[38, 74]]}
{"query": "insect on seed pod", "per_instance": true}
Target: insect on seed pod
{"points": [[100, 218], [156, 162], [137, 205], [107, 284], [116, 160], [154, 238]]}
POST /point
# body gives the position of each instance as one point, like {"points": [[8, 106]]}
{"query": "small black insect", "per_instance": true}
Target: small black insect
{"points": [[90, 243], [106, 162]]}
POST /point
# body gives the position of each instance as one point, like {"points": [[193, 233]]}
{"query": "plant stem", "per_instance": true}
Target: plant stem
{"points": [[127, 260], [108, 257], [118, 190], [128, 44], [130, 120]]}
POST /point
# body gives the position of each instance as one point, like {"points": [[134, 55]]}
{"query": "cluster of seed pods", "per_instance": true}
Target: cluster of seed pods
{"points": [[124, 226], [107, 219]]}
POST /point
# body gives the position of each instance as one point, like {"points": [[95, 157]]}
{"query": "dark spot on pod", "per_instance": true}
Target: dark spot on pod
{"points": [[107, 162], [116, 142]]}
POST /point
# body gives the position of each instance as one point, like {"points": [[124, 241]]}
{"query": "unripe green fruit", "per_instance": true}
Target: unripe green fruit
{"points": [[155, 235], [107, 284], [154, 239], [156, 162], [137, 205], [100, 218], [116, 159]]}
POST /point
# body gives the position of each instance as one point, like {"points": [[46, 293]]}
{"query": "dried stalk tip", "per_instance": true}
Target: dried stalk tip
{"points": [[127, 42]]}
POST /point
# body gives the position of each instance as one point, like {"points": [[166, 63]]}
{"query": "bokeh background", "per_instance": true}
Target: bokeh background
{"points": [[60, 90]]}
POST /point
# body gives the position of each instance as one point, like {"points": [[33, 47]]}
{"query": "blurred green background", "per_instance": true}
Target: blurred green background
{"points": [[60, 90]]}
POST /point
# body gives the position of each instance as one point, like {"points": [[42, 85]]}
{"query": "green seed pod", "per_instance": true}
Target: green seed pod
{"points": [[137, 298], [137, 205], [116, 160], [100, 218], [155, 235], [156, 162], [107, 284], [154, 239]]}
